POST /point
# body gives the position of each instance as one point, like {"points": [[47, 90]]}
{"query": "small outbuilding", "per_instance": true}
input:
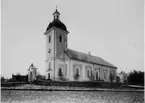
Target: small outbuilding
{"points": [[32, 73]]}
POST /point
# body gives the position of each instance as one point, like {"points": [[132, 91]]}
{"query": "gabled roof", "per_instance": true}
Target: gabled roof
{"points": [[87, 58]]}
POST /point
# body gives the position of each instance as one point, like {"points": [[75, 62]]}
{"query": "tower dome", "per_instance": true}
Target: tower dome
{"points": [[56, 22]]}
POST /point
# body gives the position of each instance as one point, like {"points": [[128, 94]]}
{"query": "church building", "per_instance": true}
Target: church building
{"points": [[66, 64]]}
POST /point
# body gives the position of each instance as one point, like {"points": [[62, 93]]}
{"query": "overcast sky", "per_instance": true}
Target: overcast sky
{"points": [[111, 29]]}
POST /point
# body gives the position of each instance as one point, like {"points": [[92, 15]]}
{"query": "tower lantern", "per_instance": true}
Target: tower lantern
{"points": [[56, 14]]}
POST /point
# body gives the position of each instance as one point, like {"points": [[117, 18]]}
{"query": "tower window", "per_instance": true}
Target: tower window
{"points": [[60, 38], [49, 39], [49, 51]]}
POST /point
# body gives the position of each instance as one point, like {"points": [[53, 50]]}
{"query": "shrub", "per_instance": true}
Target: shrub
{"points": [[60, 75], [40, 77], [76, 76], [2, 79], [136, 78]]}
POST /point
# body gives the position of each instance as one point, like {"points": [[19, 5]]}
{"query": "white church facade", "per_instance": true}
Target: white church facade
{"points": [[63, 63]]}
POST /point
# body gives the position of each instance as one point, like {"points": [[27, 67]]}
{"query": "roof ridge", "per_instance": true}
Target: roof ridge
{"points": [[83, 53]]}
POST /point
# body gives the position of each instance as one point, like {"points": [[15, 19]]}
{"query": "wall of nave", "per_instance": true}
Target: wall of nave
{"points": [[87, 71]]}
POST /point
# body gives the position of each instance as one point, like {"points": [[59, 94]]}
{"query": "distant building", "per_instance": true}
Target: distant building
{"points": [[71, 64], [32, 73], [19, 78], [123, 77]]}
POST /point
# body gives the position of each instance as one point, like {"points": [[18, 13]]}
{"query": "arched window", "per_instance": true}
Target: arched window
{"points": [[88, 73], [60, 72], [48, 76], [112, 76], [60, 38], [76, 75], [77, 71], [97, 75], [105, 74]]}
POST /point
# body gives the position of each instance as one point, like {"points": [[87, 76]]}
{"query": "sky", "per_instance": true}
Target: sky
{"points": [[110, 29]]}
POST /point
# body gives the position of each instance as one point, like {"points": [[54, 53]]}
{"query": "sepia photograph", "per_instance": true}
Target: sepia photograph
{"points": [[72, 51]]}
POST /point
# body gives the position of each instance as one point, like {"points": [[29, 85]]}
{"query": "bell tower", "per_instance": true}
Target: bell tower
{"points": [[56, 45]]}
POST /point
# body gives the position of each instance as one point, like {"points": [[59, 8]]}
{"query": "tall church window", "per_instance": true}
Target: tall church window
{"points": [[60, 38], [112, 76], [60, 74], [88, 73], [49, 39], [77, 74], [77, 71], [105, 74], [97, 75]]}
